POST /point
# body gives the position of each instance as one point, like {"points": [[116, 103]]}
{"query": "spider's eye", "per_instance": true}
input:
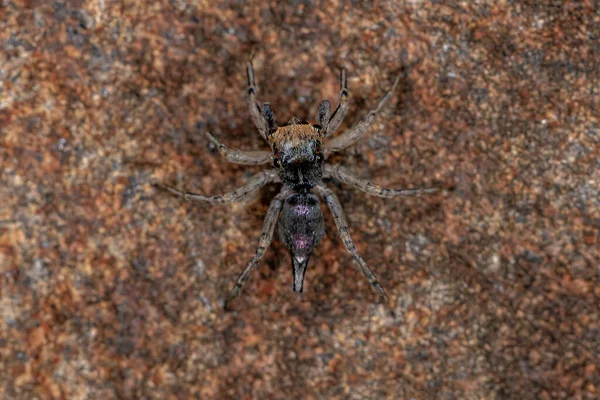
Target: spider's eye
{"points": [[276, 163], [318, 158]]}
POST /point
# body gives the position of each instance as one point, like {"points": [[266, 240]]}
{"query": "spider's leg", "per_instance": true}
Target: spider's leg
{"points": [[255, 110], [265, 240], [239, 156], [342, 109], [345, 176], [324, 113], [342, 226], [256, 182], [269, 116], [351, 136]]}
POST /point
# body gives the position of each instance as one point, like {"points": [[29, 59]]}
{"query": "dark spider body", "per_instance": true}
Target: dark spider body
{"points": [[301, 229], [299, 163], [298, 155]]}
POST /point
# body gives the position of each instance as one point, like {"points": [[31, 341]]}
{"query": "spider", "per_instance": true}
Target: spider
{"points": [[298, 156]]}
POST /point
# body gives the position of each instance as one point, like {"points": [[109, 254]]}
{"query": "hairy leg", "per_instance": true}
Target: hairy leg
{"points": [[342, 109], [255, 110], [324, 113], [241, 157], [256, 182], [266, 237], [354, 134], [345, 176], [342, 226], [269, 117]]}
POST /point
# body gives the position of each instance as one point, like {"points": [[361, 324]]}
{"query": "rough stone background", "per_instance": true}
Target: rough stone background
{"points": [[111, 289]]}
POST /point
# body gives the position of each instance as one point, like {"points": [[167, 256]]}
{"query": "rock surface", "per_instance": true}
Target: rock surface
{"points": [[112, 289]]}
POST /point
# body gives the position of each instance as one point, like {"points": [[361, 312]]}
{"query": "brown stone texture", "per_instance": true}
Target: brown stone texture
{"points": [[112, 289]]}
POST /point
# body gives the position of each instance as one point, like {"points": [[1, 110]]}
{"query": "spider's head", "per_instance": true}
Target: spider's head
{"points": [[297, 155]]}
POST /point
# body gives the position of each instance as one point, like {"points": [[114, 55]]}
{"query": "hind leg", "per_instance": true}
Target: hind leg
{"points": [[342, 226], [266, 237]]}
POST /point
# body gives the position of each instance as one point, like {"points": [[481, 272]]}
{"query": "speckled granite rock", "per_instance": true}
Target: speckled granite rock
{"points": [[111, 289]]}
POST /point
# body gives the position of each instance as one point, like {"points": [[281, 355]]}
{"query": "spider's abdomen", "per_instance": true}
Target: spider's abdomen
{"points": [[300, 229]]}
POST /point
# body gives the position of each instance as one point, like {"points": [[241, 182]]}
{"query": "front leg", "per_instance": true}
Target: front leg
{"points": [[342, 227], [256, 182], [342, 109], [343, 175], [354, 134], [241, 157], [323, 114], [255, 110]]}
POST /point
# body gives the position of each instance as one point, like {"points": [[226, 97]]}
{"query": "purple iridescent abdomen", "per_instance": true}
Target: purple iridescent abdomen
{"points": [[300, 229]]}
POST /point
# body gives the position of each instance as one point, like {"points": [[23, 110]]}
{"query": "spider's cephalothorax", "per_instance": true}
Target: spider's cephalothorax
{"points": [[298, 155]]}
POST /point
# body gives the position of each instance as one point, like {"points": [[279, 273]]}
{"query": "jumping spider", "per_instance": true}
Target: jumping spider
{"points": [[298, 156]]}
